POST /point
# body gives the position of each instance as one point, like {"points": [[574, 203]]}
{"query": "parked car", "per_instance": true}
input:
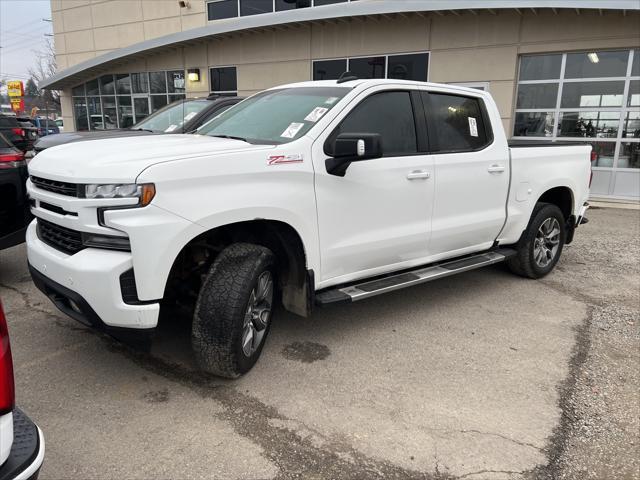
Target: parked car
{"points": [[21, 441], [45, 126], [178, 117], [60, 124], [15, 132], [308, 194], [31, 132], [14, 206]]}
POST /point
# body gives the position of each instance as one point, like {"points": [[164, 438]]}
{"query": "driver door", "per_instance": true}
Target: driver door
{"points": [[377, 218]]}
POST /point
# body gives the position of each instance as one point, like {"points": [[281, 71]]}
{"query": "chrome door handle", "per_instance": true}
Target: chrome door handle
{"points": [[417, 174], [495, 168]]}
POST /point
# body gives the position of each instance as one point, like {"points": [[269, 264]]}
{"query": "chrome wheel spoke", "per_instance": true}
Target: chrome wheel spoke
{"points": [[258, 313], [547, 242]]}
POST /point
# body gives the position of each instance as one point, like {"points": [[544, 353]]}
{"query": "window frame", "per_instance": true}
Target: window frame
{"points": [[232, 93], [419, 121], [623, 110], [386, 62], [273, 9], [484, 114]]}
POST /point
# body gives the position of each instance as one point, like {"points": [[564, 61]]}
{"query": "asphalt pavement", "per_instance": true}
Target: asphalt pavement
{"points": [[484, 375]]}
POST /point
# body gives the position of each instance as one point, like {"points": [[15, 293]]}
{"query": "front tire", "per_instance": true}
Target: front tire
{"points": [[541, 245], [233, 312]]}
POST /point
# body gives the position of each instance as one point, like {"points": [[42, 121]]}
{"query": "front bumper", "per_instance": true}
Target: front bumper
{"points": [[86, 286], [27, 450]]}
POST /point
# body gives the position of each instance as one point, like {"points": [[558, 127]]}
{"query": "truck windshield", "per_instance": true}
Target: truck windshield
{"points": [[172, 117], [275, 116]]}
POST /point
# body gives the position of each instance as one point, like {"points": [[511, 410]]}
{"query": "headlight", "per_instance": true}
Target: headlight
{"points": [[144, 192]]}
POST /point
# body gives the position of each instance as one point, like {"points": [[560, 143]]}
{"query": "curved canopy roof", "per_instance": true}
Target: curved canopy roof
{"points": [[82, 70]]}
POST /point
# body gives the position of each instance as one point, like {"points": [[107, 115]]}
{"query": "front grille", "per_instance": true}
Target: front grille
{"points": [[61, 238], [63, 188]]}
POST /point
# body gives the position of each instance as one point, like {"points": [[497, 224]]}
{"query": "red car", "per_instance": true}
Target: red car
{"points": [[21, 441]]}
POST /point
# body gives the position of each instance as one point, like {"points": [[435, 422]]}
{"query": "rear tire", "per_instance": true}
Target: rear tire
{"points": [[233, 312], [541, 245]]}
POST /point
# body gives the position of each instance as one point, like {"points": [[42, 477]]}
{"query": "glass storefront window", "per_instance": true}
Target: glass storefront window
{"points": [[634, 94], [140, 82], [597, 64], [175, 81], [604, 154], [329, 69], [92, 88], [291, 5], [123, 84], [254, 7], [219, 9], [537, 95], [540, 67], [534, 124], [594, 99], [107, 86], [121, 100], [223, 79], [409, 67], [158, 82], [589, 124], [370, 67], [592, 94], [125, 111], [631, 128], [80, 113], [629, 155], [157, 102], [109, 113]]}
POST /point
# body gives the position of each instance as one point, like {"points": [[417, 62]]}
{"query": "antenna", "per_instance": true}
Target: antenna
{"points": [[347, 77]]}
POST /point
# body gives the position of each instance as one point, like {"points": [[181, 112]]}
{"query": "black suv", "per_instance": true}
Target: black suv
{"points": [[182, 116], [15, 213], [15, 132]]}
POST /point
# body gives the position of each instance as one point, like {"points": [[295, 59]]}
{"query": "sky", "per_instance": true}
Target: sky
{"points": [[22, 31]]}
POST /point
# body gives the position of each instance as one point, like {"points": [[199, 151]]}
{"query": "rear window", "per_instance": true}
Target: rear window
{"points": [[8, 122], [456, 123]]}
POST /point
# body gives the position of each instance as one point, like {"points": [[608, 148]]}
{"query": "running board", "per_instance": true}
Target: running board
{"points": [[360, 291]]}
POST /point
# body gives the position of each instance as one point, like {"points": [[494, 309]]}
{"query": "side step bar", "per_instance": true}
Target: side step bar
{"points": [[360, 291]]}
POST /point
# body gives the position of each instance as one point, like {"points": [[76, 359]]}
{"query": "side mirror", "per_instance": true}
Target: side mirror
{"points": [[353, 147]]}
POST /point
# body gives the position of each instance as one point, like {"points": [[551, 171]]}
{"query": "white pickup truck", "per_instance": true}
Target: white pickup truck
{"points": [[305, 194]]}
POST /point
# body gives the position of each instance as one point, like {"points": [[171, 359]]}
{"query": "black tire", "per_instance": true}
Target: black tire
{"points": [[524, 262], [219, 318]]}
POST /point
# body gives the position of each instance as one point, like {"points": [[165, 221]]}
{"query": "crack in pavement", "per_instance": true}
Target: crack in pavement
{"points": [[504, 437], [24, 296], [480, 472]]}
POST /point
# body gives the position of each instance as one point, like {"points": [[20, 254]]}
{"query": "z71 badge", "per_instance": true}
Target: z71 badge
{"points": [[282, 159]]}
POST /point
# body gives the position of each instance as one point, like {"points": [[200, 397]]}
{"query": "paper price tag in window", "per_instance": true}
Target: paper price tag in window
{"points": [[171, 128], [189, 116], [316, 114], [473, 127], [292, 130]]}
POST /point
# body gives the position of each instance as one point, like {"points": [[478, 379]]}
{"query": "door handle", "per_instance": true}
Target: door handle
{"points": [[495, 168], [418, 174]]}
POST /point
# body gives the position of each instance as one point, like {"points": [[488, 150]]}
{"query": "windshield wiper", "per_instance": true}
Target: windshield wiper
{"points": [[142, 130], [232, 137]]}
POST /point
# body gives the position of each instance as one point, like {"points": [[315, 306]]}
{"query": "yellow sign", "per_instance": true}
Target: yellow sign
{"points": [[15, 88]]}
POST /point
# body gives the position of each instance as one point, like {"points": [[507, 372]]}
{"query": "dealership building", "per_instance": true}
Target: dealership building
{"points": [[557, 69]]}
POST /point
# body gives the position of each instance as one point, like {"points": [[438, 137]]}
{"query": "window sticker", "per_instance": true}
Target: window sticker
{"points": [[473, 127], [316, 114], [189, 116], [292, 130], [171, 128], [331, 100]]}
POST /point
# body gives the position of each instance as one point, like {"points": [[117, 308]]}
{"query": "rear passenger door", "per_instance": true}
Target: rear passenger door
{"points": [[471, 174]]}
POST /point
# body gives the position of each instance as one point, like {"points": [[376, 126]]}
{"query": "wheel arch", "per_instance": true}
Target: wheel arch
{"points": [[294, 280]]}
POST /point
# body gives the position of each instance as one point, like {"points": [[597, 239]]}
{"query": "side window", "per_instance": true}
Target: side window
{"points": [[388, 113], [456, 123]]}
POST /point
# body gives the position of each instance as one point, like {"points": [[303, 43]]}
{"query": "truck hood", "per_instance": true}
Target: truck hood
{"points": [[62, 138], [121, 160]]}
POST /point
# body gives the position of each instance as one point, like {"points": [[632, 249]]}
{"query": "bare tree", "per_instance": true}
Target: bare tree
{"points": [[44, 67]]}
